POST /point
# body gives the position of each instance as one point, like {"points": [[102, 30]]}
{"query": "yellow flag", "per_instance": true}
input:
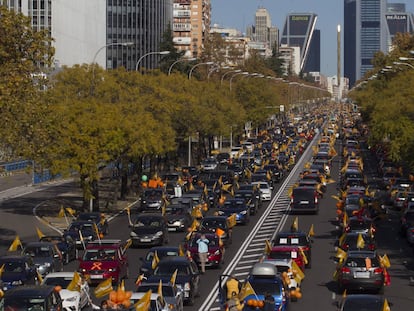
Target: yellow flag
{"points": [[144, 303], [295, 224], [344, 294], [311, 231], [299, 275], [268, 248], [139, 279], [71, 211], [39, 277], [103, 288], [386, 306], [39, 233], [305, 259], [341, 254], [61, 212], [95, 228], [345, 219], [160, 288], [342, 239], [246, 291], [127, 244], [155, 261], [385, 261], [360, 241], [74, 285], [1, 293], [180, 250], [15, 244], [122, 285], [174, 277], [1, 270]]}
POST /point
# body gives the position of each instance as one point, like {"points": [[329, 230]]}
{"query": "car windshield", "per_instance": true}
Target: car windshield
{"points": [[58, 281], [13, 266], [261, 288], [148, 221], [212, 242], [168, 270], [282, 268], [99, 254], [280, 255], [88, 217], [82, 227], [212, 224], [361, 304], [175, 210], [303, 194], [167, 291], [361, 262], [153, 194], [24, 304], [42, 251], [161, 254]]}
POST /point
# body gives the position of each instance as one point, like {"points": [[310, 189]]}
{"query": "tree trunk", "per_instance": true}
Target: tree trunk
{"points": [[95, 195]]}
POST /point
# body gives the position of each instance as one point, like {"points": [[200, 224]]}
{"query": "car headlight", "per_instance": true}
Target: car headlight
{"points": [[17, 282], [159, 233], [133, 234], [187, 286]]}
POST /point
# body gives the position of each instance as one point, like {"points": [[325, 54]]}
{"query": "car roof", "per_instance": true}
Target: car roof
{"points": [[62, 274], [40, 244], [30, 290], [13, 258], [263, 269], [174, 260]]}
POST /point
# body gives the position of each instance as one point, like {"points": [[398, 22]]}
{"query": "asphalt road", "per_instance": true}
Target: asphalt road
{"points": [[318, 288]]}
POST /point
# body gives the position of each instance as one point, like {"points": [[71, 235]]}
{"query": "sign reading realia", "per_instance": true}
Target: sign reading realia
{"points": [[299, 18]]}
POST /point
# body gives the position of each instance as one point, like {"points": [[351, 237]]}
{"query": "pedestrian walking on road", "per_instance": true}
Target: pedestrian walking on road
{"points": [[203, 251]]}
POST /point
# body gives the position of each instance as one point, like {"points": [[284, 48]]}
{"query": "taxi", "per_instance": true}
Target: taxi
{"points": [[103, 260]]}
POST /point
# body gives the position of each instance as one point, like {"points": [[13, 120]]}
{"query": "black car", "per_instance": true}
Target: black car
{"points": [[277, 173], [250, 198], [253, 188], [66, 245], [153, 199], [406, 221], [98, 218], [304, 199], [149, 229], [188, 276], [296, 238], [178, 217], [82, 232], [18, 270], [361, 302], [162, 251], [33, 297]]}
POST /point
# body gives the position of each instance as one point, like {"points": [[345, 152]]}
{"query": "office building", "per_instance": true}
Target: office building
{"points": [[93, 30], [299, 31], [262, 34], [365, 33], [191, 25], [398, 21]]}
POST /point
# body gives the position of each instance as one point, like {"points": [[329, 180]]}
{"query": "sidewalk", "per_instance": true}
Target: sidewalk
{"points": [[47, 212]]}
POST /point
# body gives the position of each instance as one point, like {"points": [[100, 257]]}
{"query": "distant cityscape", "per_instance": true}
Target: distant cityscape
{"points": [[123, 31]]}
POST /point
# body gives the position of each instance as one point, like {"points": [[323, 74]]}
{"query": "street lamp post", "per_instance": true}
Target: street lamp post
{"points": [[226, 73], [196, 65], [406, 64], [179, 61], [236, 74], [150, 53], [96, 55]]}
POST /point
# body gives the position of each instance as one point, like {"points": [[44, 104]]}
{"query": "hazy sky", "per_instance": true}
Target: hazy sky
{"points": [[240, 13]]}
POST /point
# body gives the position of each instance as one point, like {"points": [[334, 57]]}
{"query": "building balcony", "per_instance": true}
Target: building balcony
{"points": [[182, 40], [181, 27], [182, 13]]}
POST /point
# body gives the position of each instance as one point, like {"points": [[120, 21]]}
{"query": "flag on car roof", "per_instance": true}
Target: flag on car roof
{"points": [[360, 241], [174, 277], [144, 303], [103, 288], [386, 306], [155, 260], [311, 231], [295, 224], [15, 244], [74, 285], [39, 233]]}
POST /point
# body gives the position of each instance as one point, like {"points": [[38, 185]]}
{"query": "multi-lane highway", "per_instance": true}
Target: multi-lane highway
{"points": [[248, 244]]}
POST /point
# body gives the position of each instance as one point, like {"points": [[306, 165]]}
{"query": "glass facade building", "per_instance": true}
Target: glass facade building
{"points": [[299, 31]]}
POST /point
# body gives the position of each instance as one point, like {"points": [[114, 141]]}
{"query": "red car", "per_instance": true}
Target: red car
{"points": [[104, 260], [215, 249], [287, 252]]}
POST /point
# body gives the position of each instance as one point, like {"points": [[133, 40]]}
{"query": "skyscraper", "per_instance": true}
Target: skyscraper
{"points": [[365, 33], [398, 20], [299, 31], [262, 31]]}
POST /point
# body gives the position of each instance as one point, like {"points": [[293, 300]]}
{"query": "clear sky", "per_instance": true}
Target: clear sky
{"points": [[240, 13]]}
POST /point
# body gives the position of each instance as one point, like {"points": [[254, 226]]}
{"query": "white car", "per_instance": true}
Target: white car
{"points": [[265, 190], [71, 300], [209, 164], [157, 302]]}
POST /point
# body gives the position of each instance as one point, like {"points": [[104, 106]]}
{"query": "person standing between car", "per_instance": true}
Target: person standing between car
{"points": [[203, 251]]}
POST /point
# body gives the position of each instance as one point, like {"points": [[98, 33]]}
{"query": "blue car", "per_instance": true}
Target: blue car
{"points": [[236, 206], [162, 251], [18, 270]]}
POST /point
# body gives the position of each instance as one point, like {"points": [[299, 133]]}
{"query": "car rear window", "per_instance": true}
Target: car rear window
{"points": [[355, 262], [303, 193], [263, 287]]}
